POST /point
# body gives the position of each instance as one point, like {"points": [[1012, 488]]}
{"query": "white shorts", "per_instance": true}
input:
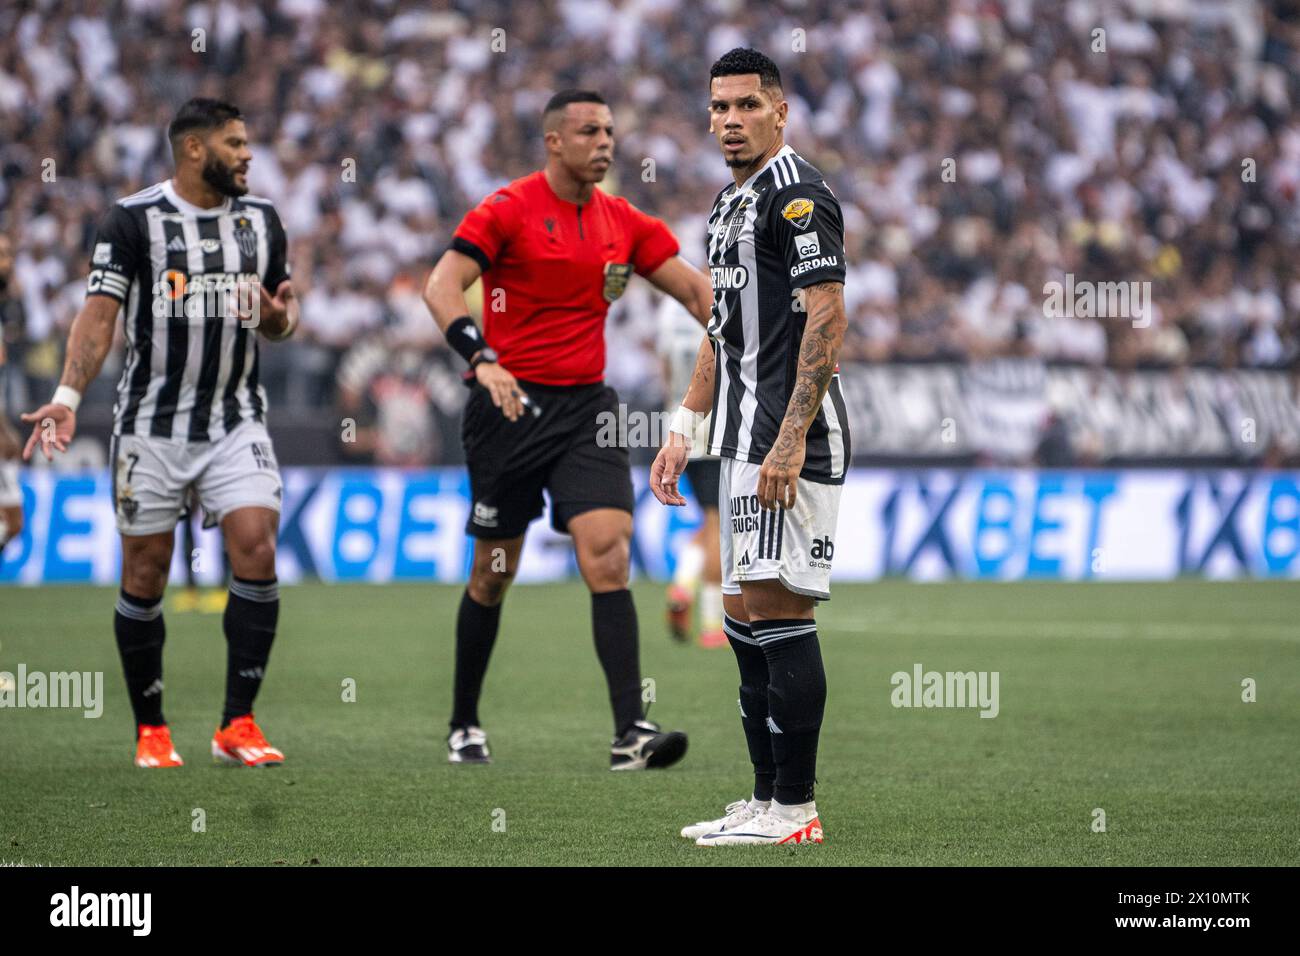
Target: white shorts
{"points": [[11, 492], [155, 479], [794, 546]]}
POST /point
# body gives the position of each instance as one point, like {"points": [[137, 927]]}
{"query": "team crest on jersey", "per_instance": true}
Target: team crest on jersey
{"points": [[736, 224], [616, 276], [798, 212], [245, 237]]}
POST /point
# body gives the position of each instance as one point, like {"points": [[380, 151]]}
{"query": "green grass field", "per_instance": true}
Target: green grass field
{"points": [[1120, 697]]}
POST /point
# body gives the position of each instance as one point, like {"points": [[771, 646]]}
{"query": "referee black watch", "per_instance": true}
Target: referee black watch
{"points": [[484, 354]]}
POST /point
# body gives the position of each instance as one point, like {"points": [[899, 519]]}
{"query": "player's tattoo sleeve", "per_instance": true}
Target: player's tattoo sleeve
{"points": [[89, 341], [699, 394], [819, 350]]}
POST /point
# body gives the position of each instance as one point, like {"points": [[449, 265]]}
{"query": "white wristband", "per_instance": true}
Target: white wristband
{"points": [[66, 395], [686, 423]]}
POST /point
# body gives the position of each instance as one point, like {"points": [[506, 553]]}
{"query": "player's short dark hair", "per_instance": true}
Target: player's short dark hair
{"points": [[742, 61], [563, 98], [201, 114]]}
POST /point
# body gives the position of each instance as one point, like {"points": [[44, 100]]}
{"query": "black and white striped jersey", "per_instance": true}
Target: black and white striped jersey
{"points": [[779, 231], [180, 271]]}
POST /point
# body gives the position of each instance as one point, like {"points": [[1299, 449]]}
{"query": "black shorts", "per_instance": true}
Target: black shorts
{"points": [[510, 463], [705, 474]]}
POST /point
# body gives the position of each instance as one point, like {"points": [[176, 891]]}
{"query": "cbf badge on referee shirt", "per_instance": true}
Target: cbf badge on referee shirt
{"points": [[616, 276]]}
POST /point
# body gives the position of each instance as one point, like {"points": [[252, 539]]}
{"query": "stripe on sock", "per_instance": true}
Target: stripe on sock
{"points": [[782, 632], [136, 612], [737, 629], [262, 593]]}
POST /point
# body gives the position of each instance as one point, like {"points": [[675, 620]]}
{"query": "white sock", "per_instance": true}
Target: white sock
{"points": [[798, 812], [711, 607], [689, 565], [757, 804]]}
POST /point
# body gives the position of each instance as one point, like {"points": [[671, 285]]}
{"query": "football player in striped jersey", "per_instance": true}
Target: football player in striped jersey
{"points": [[199, 269]]}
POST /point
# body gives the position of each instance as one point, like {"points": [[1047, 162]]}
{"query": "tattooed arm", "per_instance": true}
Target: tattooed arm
{"points": [[88, 345], [823, 335], [89, 341], [699, 394]]}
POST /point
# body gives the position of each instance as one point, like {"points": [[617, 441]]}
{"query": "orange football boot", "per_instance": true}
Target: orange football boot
{"points": [[679, 612], [242, 743], [153, 747]]}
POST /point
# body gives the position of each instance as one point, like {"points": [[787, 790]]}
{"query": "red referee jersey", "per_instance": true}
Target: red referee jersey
{"points": [[551, 268]]}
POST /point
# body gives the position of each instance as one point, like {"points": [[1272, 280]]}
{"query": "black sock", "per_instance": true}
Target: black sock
{"points": [[252, 610], [613, 621], [753, 704], [476, 633], [138, 625], [796, 698]]}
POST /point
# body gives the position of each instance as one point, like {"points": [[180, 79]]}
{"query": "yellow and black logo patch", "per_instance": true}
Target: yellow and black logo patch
{"points": [[798, 212], [616, 276]]}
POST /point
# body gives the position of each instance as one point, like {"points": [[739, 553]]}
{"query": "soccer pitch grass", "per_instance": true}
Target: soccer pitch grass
{"points": [[1122, 697]]}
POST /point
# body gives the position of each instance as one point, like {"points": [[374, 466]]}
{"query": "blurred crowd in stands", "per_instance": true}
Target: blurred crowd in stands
{"points": [[980, 149]]}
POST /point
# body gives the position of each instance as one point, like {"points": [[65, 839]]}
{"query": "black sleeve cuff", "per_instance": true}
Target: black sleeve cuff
{"points": [[467, 248]]}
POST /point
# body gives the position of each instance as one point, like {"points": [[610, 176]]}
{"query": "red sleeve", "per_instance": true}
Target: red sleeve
{"points": [[486, 228], [653, 243]]}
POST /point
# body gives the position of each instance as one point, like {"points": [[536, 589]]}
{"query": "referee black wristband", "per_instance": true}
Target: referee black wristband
{"points": [[463, 335]]}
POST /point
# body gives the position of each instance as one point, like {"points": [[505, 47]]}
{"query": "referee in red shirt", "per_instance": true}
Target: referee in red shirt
{"points": [[554, 252]]}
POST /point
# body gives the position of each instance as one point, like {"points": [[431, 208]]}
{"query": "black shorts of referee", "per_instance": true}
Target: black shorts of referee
{"points": [[558, 451]]}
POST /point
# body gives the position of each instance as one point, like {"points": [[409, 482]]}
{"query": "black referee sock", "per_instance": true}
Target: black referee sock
{"points": [[138, 626], [796, 699], [613, 621], [252, 610], [753, 704], [476, 634]]}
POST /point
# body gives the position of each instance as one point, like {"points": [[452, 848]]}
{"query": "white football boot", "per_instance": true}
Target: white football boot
{"points": [[738, 813], [468, 745], [774, 826], [645, 746]]}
